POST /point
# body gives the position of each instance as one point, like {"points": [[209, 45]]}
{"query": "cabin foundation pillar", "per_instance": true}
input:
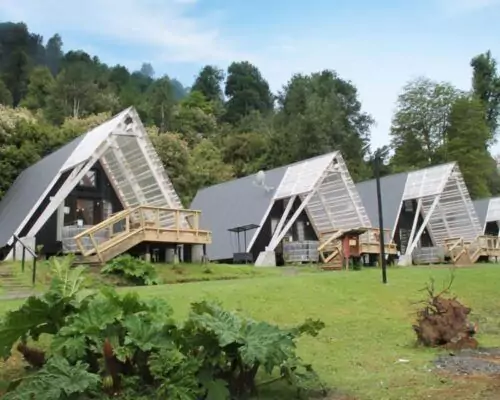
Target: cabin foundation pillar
{"points": [[197, 253], [170, 255], [147, 254]]}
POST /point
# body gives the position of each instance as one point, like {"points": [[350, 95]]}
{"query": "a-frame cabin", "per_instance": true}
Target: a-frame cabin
{"points": [[103, 194]]}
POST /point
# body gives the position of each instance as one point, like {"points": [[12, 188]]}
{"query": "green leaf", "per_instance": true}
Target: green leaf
{"points": [[56, 380], [122, 353], [301, 375], [309, 327], [135, 270], [266, 344], [96, 317], [158, 310], [66, 281], [71, 347], [176, 374], [217, 390], [210, 317], [146, 335], [34, 314]]}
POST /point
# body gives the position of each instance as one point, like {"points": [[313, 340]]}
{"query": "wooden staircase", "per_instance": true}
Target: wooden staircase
{"points": [[127, 228], [464, 253], [336, 264], [330, 248], [330, 251], [13, 282]]}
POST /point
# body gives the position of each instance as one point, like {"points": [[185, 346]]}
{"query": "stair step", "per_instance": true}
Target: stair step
{"points": [[4, 282], [17, 295], [331, 267]]}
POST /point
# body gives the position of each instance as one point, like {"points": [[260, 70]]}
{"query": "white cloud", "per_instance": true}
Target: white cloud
{"points": [[456, 7], [171, 31], [164, 26]]}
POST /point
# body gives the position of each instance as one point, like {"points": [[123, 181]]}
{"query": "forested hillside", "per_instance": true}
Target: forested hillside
{"points": [[229, 124]]}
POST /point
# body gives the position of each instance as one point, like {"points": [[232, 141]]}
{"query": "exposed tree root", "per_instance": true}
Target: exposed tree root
{"points": [[443, 321]]}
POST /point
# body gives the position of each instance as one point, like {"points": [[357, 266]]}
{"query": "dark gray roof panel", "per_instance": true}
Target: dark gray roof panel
{"points": [[231, 204], [481, 207], [29, 187], [392, 189]]}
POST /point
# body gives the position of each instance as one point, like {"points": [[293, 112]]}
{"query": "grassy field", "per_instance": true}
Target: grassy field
{"points": [[368, 324], [167, 273], [183, 273]]}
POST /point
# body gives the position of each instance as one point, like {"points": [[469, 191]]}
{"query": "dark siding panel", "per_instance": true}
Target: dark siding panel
{"points": [[28, 188]]}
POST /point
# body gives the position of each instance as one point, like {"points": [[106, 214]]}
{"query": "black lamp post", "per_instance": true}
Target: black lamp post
{"points": [[378, 161]]}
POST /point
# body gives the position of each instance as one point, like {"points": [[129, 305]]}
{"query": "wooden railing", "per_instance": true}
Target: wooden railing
{"points": [[483, 245], [334, 235], [370, 242], [158, 223]]}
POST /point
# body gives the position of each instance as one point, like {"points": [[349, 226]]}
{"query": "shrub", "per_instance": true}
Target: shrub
{"points": [[134, 270], [207, 269], [104, 344]]}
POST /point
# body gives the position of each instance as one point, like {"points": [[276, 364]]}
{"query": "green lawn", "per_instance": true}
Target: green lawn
{"points": [[167, 273], [368, 324], [182, 273]]}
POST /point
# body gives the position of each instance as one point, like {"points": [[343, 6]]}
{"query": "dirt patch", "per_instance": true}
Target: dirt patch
{"points": [[480, 362]]}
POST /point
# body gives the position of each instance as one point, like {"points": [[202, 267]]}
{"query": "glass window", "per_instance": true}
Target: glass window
{"points": [[85, 211], [89, 180], [107, 209]]}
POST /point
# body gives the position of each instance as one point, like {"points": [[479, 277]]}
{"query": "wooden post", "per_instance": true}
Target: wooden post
{"points": [[141, 217], [92, 239], [196, 222], [80, 246], [157, 222], [178, 222]]}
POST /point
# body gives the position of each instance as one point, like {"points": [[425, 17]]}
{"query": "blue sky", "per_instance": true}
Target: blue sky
{"points": [[378, 45]]}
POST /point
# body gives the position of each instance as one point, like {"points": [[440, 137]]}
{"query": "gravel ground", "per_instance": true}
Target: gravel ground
{"points": [[471, 362]]}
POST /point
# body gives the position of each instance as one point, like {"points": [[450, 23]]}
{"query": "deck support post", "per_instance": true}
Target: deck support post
{"points": [[413, 244], [415, 221]]}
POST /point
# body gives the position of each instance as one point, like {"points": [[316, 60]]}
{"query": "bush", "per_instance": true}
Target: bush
{"points": [[134, 270], [104, 344]]}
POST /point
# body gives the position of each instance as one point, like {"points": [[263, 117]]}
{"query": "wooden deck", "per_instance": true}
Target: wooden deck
{"points": [[330, 248], [369, 241], [462, 252], [130, 227]]}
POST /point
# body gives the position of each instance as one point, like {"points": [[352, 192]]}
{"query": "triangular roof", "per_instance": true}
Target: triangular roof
{"points": [[29, 187], [392, 188], [488, 210], [241, 202], [481, 207], [119, 143], [455, 215]]}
